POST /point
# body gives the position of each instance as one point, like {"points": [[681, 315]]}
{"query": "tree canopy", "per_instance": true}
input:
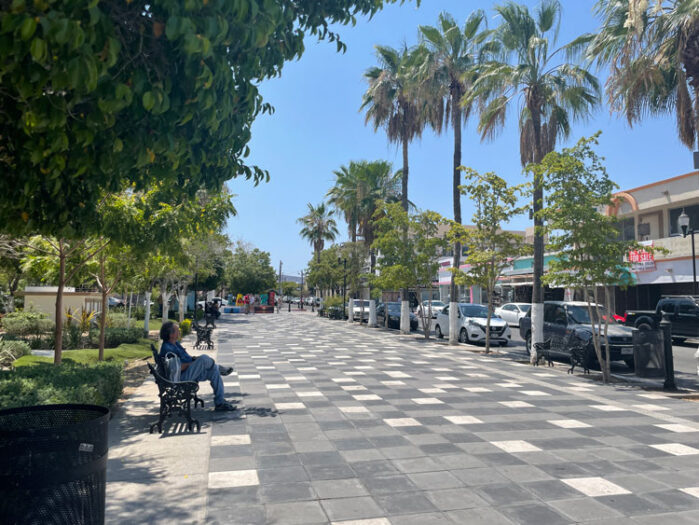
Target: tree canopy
{"points": [[100, 96], [250, 270]]}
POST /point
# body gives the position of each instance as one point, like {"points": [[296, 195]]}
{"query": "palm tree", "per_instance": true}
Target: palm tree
{"points": [[390, 103], [653, 51], [344, 197], [551, 91], [448, 71], [318, 227]]}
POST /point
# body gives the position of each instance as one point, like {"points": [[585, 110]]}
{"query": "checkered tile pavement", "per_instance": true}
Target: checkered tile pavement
{"points": [[374, 428]]}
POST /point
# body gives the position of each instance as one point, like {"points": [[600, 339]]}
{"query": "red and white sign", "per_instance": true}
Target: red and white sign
{"points": [[641, 260]]}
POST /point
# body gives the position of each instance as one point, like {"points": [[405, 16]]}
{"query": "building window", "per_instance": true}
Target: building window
{"points": [[692, 211], [626, 229]]}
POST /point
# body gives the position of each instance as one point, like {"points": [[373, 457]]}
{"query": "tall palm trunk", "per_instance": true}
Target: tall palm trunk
{"points": [[105, 309], [404, 177], [456, 195], [538, 266], [404, 293]]}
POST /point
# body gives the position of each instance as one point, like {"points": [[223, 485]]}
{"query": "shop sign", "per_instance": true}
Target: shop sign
{"points": [[641, 260]]}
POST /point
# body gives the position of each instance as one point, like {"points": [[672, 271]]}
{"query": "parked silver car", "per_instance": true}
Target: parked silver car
{"points": [[513, 312], [472, 325], [357, 310], [436, 307]]}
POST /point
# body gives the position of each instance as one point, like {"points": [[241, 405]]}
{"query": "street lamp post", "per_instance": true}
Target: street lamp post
{"points": [[344, 283], [301, 303], [683, 223]]}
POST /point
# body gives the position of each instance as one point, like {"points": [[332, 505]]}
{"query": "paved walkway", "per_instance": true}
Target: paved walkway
{"points": [[374, 428]]}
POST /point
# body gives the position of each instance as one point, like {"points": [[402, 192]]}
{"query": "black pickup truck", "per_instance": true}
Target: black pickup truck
{"points": [[683, 312]]}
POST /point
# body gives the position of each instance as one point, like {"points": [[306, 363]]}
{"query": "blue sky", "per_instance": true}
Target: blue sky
{"points": [[317, 127]]}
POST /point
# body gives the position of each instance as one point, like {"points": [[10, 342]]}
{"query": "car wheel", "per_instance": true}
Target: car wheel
{"points": [[463, 336], [528, 343], [438, 332], [503, 343], [629, 362], [644, 326]]}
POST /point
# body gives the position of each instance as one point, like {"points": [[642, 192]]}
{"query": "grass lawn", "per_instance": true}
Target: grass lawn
{"points": [[123, 352], [154, 324]]}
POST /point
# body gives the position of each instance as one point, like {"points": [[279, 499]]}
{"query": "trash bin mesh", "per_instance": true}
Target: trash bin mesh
{"points": [[53, 464], [648, 353]]}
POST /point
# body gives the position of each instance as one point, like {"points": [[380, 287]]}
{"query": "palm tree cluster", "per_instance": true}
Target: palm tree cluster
{"points": [[652, 49]]}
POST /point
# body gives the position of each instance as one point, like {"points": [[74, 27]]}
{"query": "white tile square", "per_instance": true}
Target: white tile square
{"points": [[692, 491], [233, 478], [248, 376], [354, 410], [392, 383], [446, 378], [427, 401], [310, 393], [568, 423], [595, 487], [534, 393], [402, 422], [515, 404], [367, 397], [608, 408], [442, 369], [353, 388], [235, 439], [676, 449], [652, 396], [370, 521], [477, 389], [289, 406], [650, 407], [509, 385], [678, 428], [463, 420], [356, 373], [307, 368], [477, 375], [295, 378], [446, 386], [344, 380], [515, 446]]}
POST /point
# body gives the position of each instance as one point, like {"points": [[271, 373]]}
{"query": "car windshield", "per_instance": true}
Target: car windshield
{"points": [[525, 307], [581, 314], [359, 304], [473, 310]]}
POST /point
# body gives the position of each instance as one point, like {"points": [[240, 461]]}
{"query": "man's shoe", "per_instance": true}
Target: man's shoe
{"points": [[225, 407], [227, 371]]}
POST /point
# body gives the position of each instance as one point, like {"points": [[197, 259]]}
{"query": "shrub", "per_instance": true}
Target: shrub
{"points": [[11, 350], [27, 323], [117, 320], [42, 384], [113, 337], [186, 327], [139, 313], [332, 301]]}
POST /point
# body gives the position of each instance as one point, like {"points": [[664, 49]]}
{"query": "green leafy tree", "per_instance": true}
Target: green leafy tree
{"points": [[326, 273], [250, 271], [289, 288], [448, 72], [652, 49], [100, 96], [318, 227], [408, 264], [590, 253], [530, 68], [490, 248]]}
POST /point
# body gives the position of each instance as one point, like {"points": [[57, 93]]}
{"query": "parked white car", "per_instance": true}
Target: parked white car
{"points": [[513, 312], [357, 310], [472, 324], [437, 307]]}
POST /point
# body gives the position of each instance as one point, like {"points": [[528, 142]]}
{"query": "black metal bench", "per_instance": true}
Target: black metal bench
{"points": [[203, 337], [580, 356], [543, 351], [175, 397]]}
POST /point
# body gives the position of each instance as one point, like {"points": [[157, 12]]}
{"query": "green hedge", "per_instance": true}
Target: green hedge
{"points": [[43, 383], [11, 350], [113, 337]]}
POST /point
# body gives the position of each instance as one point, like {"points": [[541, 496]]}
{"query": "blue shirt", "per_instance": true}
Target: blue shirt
{"points": [[177, 349]]}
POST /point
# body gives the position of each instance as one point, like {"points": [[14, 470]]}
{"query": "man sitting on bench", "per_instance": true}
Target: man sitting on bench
{"points": [[195, 368]]}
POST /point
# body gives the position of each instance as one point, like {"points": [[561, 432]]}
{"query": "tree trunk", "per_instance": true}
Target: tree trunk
{"points": [[404, 178], [456, 197], [488, 318], [182, 300], [537, 335], [12, 288], [105, 309], [58, 331], [165, 297], [146, 318]]}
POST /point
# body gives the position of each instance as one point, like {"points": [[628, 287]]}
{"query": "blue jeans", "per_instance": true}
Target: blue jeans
{"points": [[203, 368]]}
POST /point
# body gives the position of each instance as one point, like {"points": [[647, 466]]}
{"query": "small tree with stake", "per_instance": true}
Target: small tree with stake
{"points": [[408, 262], [490, 248], [591, 254]]}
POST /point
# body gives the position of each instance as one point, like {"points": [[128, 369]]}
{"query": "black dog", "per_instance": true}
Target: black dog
{"points": [[543, 351], [580, 356]]}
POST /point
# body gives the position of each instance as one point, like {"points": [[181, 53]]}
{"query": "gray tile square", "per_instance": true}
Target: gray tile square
{"points": [[435, 480], [405, 503], [342, 509], [296, 513], [534, 514], [339, 488], [453, 499]]}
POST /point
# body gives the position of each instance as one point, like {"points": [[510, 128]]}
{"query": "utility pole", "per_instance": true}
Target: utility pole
{"points": [[301, 289]]}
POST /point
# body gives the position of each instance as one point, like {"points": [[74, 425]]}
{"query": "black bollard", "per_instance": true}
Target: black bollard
{"points": [[290, 307], [666, 330]]}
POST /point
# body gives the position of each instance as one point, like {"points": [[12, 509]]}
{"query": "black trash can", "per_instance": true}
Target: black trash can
{"points": [[53, 464]]}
